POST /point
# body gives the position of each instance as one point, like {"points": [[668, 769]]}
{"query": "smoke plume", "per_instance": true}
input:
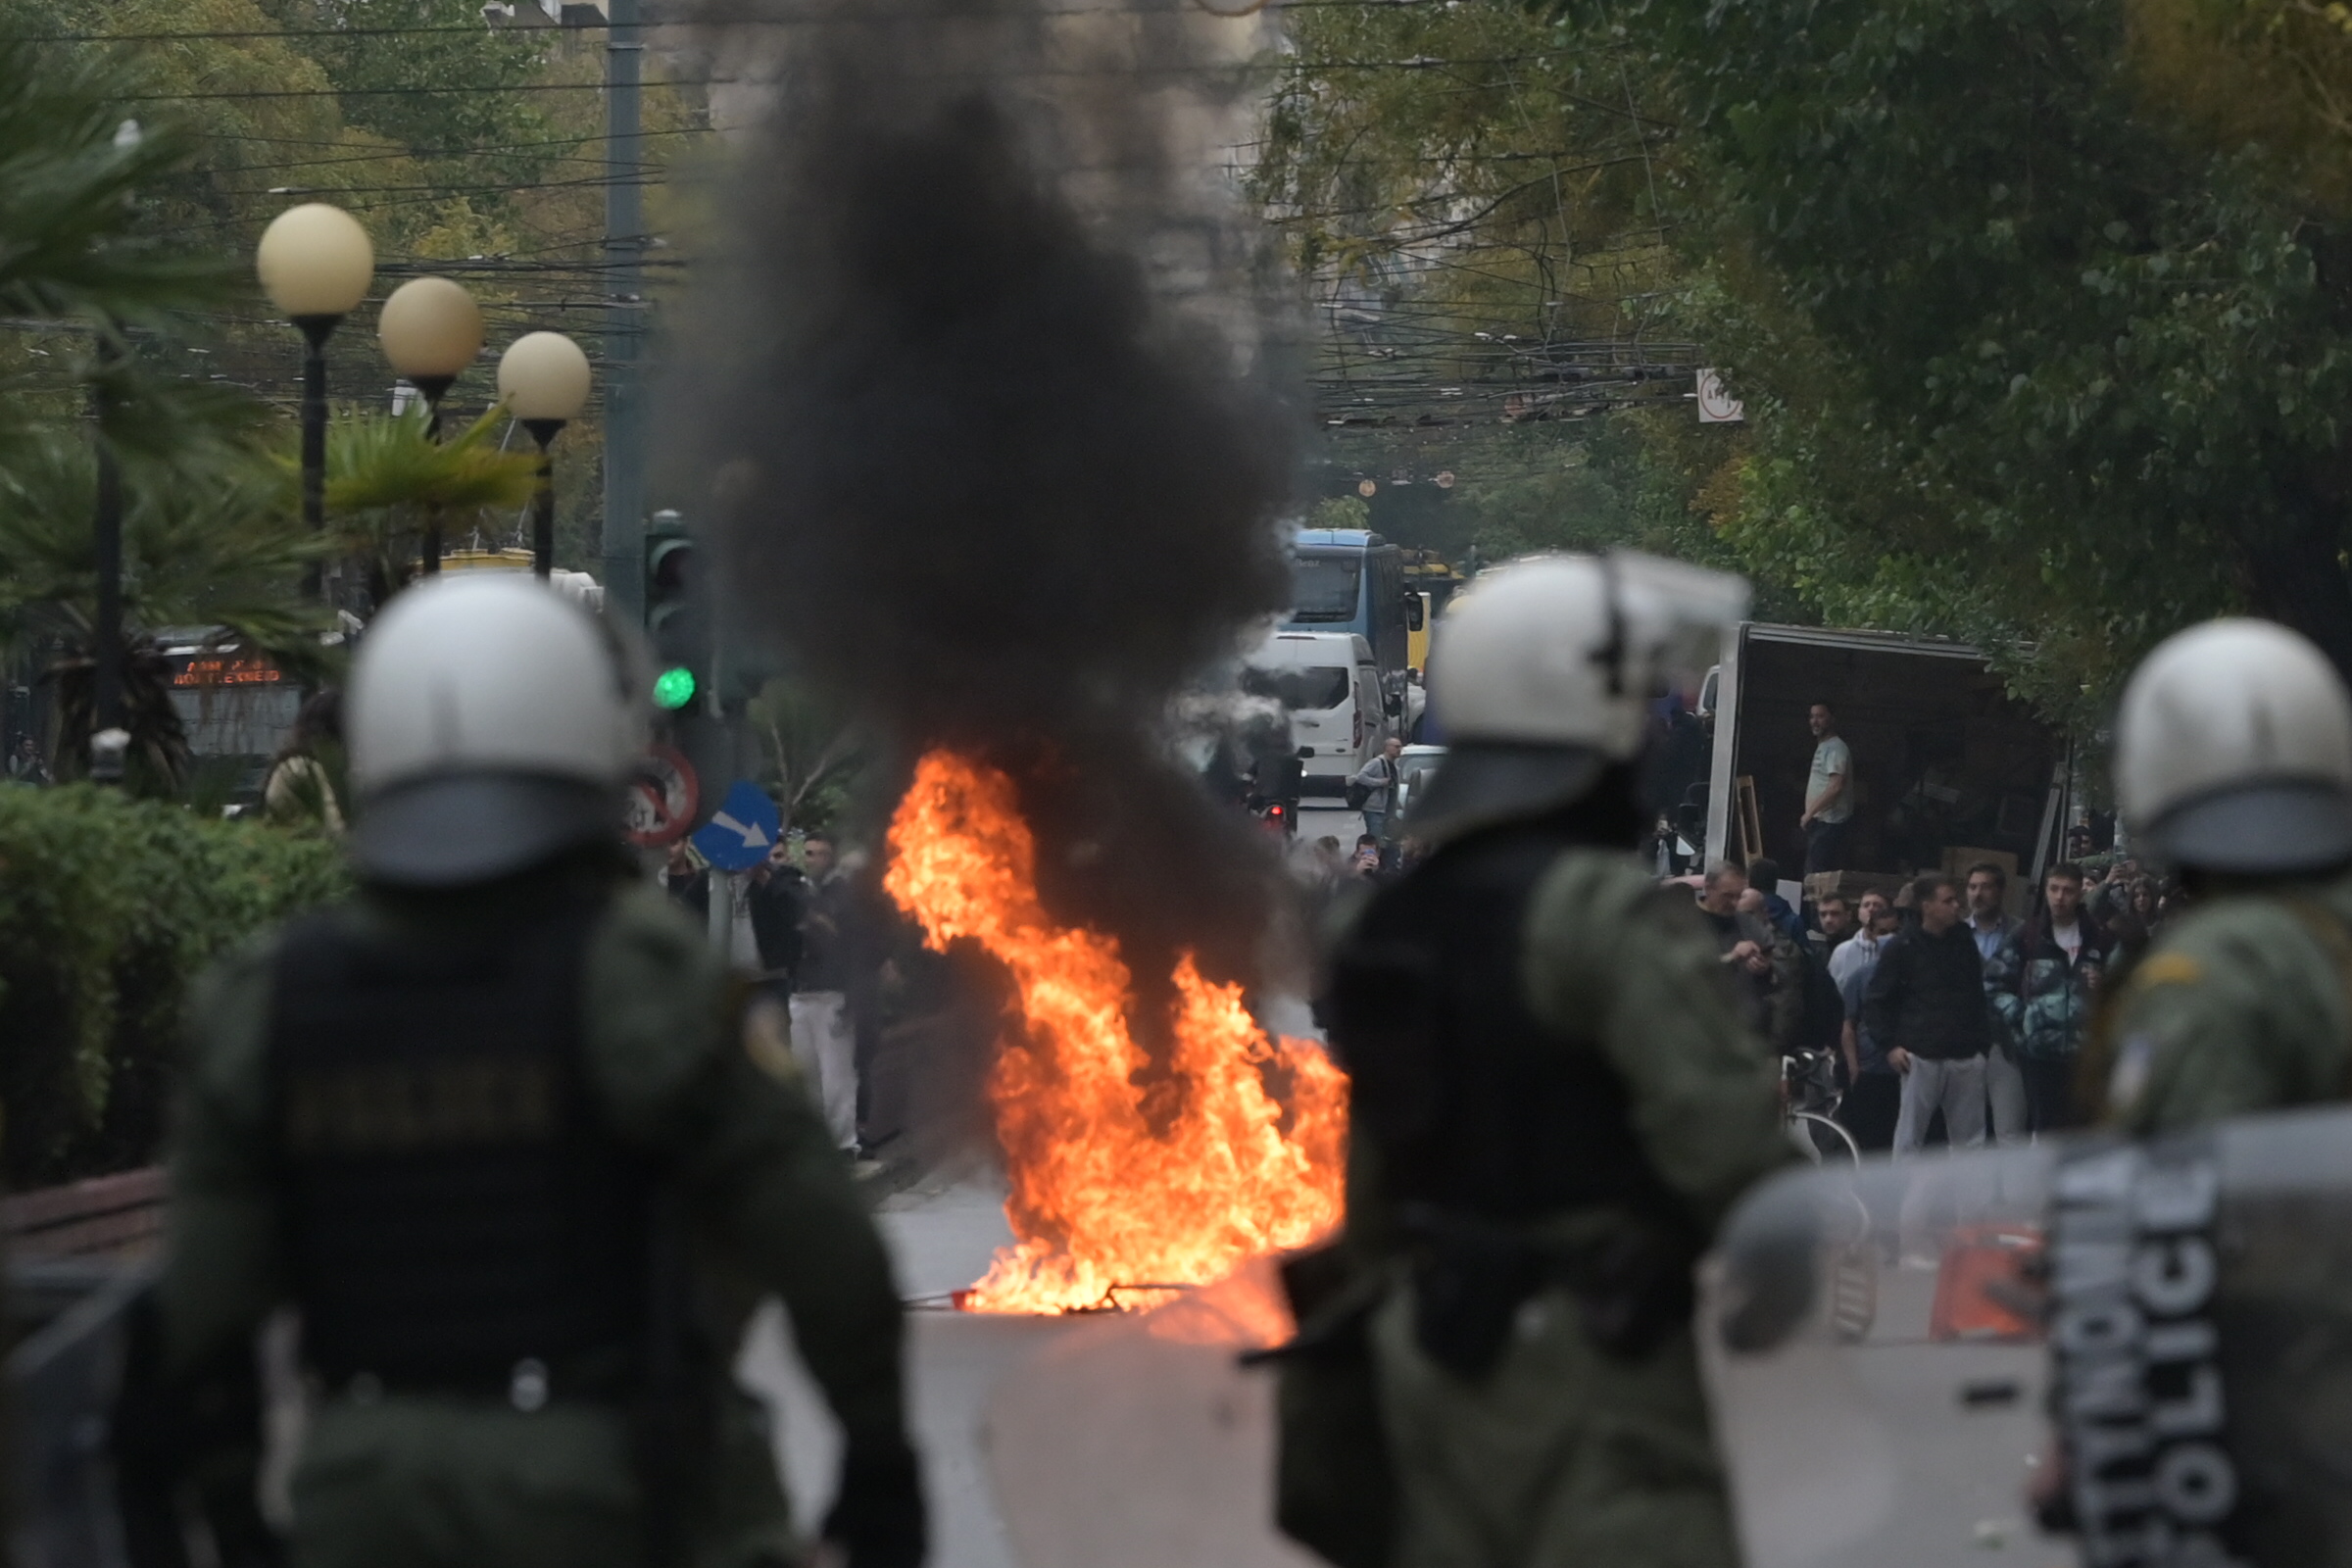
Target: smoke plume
{"points": [[981, 397]]}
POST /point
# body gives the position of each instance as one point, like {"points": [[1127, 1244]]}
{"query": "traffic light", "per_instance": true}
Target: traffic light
{"points": [[676, 621]]}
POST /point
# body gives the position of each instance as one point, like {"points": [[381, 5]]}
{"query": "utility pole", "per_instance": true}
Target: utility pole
{"points": [[624, 313]]}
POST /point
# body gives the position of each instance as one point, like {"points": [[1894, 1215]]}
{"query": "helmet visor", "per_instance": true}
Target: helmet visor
{"points": [[2259, 830], [472, 827], [1485, 782]]}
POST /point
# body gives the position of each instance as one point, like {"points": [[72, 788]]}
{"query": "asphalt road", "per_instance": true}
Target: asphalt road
{"points": [[942, 1234], [1087, 1439]]}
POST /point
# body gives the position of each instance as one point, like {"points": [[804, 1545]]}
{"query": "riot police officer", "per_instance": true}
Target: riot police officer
{"points": [[1554, 1101], [507, 1134], [2233, 764]]}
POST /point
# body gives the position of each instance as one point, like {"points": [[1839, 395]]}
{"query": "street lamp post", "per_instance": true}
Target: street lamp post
{"points": [[431, 330], [543, 380], [316, 263], [105, 668]]}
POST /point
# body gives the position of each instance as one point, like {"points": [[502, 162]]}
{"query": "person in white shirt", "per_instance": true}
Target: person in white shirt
{"points": [[1828, 795]]}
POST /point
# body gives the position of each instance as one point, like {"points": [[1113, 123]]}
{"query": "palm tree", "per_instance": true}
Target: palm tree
{"points": [[209, 537], [388, 481]]}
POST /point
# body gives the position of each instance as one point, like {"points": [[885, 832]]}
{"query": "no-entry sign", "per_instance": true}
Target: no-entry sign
{"points": [[663, 799]]}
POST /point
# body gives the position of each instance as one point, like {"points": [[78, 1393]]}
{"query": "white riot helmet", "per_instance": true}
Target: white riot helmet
{"points": [[1542, 671], [491, 722], [2233, 752]]}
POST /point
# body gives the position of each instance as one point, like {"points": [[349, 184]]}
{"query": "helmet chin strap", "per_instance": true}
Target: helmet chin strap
{"points": [[1610, 656]]}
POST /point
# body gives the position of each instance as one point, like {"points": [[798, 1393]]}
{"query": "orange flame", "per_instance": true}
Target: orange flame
{"points": [[1100, 1198]]}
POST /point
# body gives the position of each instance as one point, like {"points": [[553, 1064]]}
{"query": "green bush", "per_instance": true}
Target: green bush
{"points": [[109, 907]]}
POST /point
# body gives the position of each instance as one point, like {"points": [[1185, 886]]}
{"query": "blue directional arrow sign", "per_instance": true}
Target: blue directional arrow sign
{"points": [[741, 831]]}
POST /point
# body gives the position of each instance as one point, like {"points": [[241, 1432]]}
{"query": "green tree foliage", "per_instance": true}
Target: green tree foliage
{"points": [[71, 178], [460, 146], [1500, 186], [2033, 350], [1474, 198], [211, 544], [109, 908], [206, 531], [487, 138], [2040, 307]]}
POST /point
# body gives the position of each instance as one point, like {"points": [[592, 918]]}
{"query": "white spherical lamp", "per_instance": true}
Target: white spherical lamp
{"points": [[316, 262], [431, 329], [543, 377]]}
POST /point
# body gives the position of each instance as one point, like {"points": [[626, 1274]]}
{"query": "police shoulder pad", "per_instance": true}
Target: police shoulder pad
{"points": [[2173, 968]]}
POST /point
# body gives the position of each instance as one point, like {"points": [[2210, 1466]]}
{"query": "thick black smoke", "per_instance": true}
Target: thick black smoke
{"points": [[968, 467]]}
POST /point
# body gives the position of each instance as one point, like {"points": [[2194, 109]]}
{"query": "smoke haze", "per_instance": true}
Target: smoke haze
{"points": [[981, 401]]}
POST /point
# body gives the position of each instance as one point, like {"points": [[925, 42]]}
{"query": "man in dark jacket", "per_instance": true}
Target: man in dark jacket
{"points": [[823, 1035], [777, 901], [1927, 1006], [2046, 996], [686, 882], [1764, 875], [1765, 973]]}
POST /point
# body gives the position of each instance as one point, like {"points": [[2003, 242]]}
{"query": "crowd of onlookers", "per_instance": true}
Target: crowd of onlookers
{"points": [[1942, 1017], [1947, 1017]]}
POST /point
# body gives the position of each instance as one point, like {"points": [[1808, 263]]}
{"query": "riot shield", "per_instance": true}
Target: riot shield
{"points": [[1871, 1337], [2154, 1341]]}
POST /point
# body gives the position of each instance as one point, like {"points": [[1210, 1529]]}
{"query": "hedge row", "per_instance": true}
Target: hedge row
{"points": [[109, 907]]}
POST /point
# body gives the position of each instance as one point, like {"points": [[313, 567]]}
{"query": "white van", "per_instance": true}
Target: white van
{"points": [[1328, 683]]}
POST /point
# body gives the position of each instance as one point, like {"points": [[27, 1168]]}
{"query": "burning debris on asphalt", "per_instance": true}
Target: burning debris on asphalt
{"points": [[995, 460]]}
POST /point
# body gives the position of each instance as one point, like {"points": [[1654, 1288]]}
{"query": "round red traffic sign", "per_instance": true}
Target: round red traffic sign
{"points": [[662, 798]]}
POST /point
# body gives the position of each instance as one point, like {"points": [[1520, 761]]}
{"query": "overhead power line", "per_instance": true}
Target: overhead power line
{"points": [[857, 19], [395, 92]]}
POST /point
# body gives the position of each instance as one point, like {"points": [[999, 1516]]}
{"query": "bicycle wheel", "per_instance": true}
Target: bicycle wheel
{"points": [[1823, 1141]]}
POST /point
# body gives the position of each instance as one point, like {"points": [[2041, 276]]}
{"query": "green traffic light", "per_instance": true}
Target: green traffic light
{"points": [[673, 687]]}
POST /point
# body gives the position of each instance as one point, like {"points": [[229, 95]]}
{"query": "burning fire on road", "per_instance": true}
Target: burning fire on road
{"points": [[1113, 1185]]}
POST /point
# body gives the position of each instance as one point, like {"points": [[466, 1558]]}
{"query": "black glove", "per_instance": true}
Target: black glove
{"points": [[877, 1517]]}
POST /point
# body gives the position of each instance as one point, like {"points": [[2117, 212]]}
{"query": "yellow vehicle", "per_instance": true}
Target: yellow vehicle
{"points": [[506, 560], [577, 585], [1433, 581]]}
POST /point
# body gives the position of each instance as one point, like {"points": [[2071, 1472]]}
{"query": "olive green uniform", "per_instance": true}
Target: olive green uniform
{"points": [[2241, 1006], [1566, 1456], [681, 1072]]}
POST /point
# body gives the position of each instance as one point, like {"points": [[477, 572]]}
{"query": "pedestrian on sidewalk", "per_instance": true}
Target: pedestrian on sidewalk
{"points": [[1377, 782], [777, 902], [1764, 875], [1874, 1090], [687, 883], [1833, 923], [2061, 958], [300, 787], [1996, 932], [823, 1035], [26, 766], [1927, 1006], [1760, 964]]}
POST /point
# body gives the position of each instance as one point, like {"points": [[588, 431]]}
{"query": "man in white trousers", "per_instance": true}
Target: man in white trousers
{"points": [[823, 1037]]}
